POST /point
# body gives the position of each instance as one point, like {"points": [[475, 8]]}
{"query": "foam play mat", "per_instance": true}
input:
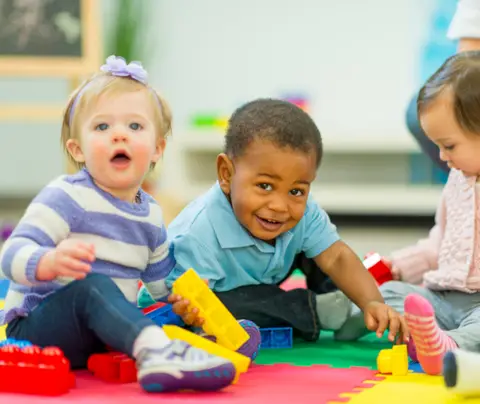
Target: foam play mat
{"points": [[281, 384], [323, 372]]}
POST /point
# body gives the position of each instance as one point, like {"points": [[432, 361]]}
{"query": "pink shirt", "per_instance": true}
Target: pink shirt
{"points": [[450, 257]]}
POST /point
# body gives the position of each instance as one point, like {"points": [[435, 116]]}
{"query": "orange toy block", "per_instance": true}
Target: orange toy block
{"points": [[219, 322]]}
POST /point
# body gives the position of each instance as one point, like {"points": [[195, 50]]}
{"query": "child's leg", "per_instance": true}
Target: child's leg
{"points": [[331, 305], [431, 342], [270, 306], [317, 280], [84, 314], [394, 294]]}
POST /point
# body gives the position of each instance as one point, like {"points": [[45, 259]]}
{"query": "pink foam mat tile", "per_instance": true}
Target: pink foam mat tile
{"points": [[263, 384]]}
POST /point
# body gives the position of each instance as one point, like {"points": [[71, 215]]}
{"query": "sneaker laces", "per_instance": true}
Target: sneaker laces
{"points": [[177, 351]]}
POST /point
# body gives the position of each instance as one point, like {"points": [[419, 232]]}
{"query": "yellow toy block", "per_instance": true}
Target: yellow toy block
{"points": [[394, 361], [241, 362], [219, 322]]}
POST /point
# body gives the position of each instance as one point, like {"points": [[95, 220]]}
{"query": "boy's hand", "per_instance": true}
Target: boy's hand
{"points": [[70, 259], [180, 307], [380, 317]]}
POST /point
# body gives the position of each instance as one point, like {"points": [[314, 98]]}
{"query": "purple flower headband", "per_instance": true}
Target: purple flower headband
{"points": [[116, 66]]}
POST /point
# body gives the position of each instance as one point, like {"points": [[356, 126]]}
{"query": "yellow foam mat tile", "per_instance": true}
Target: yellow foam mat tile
{"points": [[415, 388]]}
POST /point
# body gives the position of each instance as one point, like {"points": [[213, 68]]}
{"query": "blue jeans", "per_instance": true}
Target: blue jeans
{"points": [[81, 319]]}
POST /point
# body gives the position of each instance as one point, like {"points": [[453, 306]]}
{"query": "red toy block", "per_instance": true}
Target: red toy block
{"points": [[153, 307], [33, 370], [113, 367], [378, 268]]}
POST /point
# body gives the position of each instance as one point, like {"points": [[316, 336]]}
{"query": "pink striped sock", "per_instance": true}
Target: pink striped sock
{"points": [[431, 342]]}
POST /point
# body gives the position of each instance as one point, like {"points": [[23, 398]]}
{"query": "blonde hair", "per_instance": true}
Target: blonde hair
{"points": [[108, 84]]}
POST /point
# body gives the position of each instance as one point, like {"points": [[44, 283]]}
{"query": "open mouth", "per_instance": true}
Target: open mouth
{"points": [[269, 224], [120, 158]]}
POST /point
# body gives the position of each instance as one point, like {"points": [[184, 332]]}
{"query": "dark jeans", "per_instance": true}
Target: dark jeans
{"points": [[81, 319], [270, 306], [428, 147]]}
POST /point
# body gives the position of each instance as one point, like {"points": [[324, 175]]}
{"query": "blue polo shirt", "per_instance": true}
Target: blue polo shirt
{"points": [[207, 237]]}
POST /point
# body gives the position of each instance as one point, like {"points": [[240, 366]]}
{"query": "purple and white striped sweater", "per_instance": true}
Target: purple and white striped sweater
{"points": [[130, 241]]}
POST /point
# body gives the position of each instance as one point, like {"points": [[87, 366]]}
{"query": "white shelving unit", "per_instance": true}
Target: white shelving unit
{"points": [[364, 177]]}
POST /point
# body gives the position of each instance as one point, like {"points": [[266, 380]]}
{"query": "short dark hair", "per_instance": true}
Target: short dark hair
{"points": [[459, 74], [278, 121]]}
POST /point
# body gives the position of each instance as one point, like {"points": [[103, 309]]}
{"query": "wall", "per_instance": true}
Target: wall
{"points": [[356, 61]]}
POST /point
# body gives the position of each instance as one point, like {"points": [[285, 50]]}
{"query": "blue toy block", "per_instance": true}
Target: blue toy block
{"points": [[12, 341], [276, 338], [4, 288], [164, 315], [415, 367]]}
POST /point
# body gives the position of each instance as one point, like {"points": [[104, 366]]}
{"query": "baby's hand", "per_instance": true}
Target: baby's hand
{"points": [[180, 307], [380, 317], [394, 270], [70, 259]]}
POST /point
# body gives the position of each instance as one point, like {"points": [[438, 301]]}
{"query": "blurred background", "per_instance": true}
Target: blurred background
{"points": [[353, 65]]}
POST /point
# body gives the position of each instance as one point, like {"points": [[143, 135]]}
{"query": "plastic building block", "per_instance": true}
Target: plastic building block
{"points": [[241, 362], [15, 342], [276, 338], [378, 268], [219, 322], [210, 121], [113, 367], [33, 370], [394, 361], [4, 284], [162, 314]]}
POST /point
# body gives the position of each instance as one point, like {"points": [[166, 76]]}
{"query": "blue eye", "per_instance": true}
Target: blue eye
{"points": [[101, 127], [135, 126]]}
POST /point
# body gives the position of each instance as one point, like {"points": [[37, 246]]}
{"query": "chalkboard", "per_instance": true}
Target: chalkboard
{"points": [[49, 36], [40, 28]]}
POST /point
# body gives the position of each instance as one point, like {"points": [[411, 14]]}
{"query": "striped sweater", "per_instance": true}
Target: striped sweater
{"points": [[130, 241]]}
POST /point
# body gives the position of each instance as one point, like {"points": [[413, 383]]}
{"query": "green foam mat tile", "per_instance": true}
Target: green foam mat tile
{"points": [[327, 351]]}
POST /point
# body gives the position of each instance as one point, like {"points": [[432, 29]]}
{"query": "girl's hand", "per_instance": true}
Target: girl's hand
{"points": [[395, 271], [71, 259]]}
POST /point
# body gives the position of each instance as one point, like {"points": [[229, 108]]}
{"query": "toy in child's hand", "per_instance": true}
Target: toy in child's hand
{"points": [[219, 322], [183, 308], [162, 314], [378, 267]]}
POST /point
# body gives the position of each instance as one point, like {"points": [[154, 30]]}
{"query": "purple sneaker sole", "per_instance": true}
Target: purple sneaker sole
{"points": [[252, 346], [202, 380]]}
